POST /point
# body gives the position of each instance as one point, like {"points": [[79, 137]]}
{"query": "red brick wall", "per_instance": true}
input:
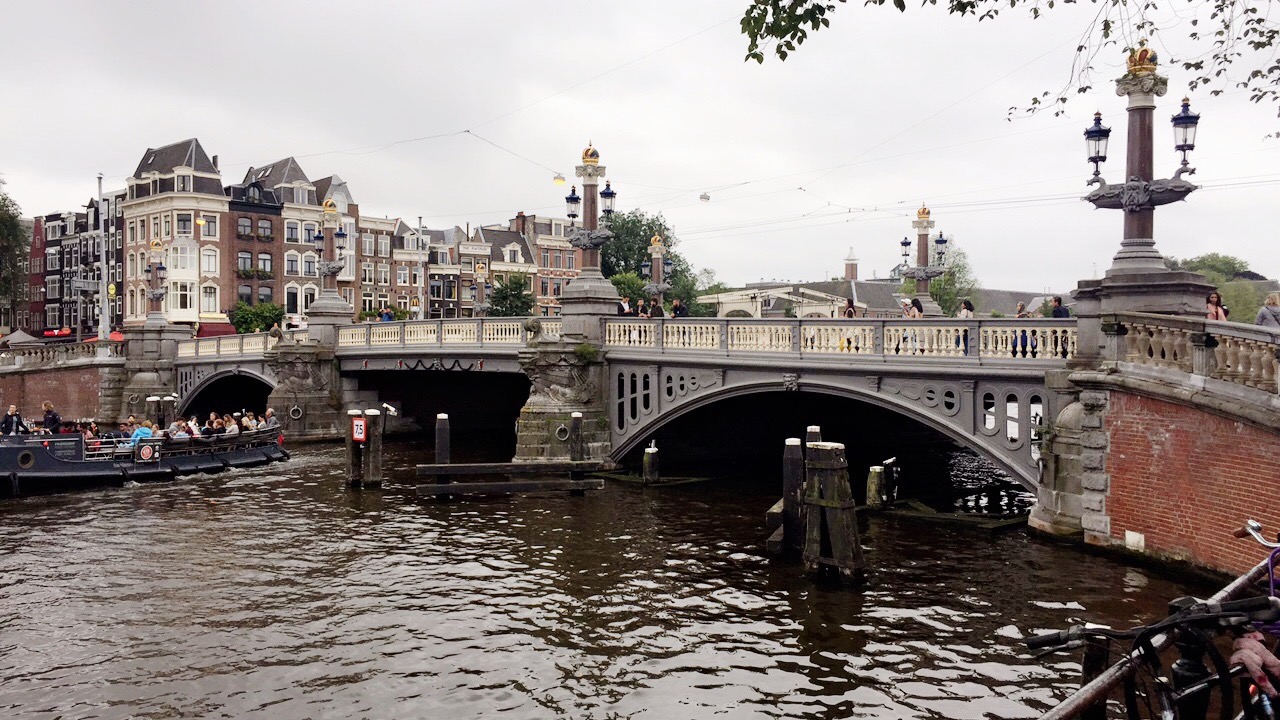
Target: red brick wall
{"points": [[74, 393], [1187, 478]]}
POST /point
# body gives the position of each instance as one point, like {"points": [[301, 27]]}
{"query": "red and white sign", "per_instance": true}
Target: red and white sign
{"points": [[146, 452], [358, 429]]}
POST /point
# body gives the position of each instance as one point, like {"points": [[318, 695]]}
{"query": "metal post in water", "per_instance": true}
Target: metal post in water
{"points": [[442, 449], [372, 460], [792, 496], [355, 426], [875, 487], [576, 450], [649, 466]]}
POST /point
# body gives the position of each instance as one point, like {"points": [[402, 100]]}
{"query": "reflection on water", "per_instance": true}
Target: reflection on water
{"points": [[278, 593]]}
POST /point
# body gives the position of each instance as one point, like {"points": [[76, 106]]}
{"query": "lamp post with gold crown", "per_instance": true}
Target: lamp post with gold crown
{"points": [[656, 267], [925, 270], [588, 297], [329, 310]]}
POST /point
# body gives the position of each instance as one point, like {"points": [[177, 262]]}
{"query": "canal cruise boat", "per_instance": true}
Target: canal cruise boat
{"points": [[38, 464]]}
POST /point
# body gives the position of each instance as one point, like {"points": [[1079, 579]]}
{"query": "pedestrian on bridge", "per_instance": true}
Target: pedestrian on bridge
{"points": [[655, 309], [679, 309], [1269, 314], [1213, 307]]}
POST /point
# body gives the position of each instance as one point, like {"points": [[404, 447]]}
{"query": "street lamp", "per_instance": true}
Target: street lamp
{"points": [[1141, 193], [572, 203], [480, 281], [607, 196], [925, 268], [1095, 140], [657, 269]]}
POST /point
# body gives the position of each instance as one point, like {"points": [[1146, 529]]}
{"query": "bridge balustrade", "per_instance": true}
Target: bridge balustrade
{"points": [[51, 355], [1031, 339], [1226, 351]]}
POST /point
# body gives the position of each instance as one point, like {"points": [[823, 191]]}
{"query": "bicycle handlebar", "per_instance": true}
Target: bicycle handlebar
{"points": [[1062, 637]]}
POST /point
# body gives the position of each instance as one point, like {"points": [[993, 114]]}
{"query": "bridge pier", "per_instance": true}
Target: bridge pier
{"points": [[567, 380], [307, 398], [150, 351]]}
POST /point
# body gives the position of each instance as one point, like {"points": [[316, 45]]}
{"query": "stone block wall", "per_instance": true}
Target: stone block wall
{"points": [[1176, 480]]}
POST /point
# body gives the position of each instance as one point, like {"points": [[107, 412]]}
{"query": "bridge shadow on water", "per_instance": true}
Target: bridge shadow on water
{"points": [[741, 439]]}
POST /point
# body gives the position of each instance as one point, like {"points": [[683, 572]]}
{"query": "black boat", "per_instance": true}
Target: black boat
{"points": [[38, 464]]}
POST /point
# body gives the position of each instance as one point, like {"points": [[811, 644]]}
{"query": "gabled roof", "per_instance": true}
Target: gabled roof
{"points": [[280, 172], [499, 240], [187, 153]]}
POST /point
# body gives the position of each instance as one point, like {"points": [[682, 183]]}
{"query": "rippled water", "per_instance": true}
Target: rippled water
{"points": [[282, 594]]}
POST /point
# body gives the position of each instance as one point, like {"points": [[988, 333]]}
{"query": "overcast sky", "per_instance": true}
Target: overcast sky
{"points": [[874, 115]]}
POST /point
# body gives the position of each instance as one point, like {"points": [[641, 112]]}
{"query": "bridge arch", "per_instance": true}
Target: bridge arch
{"points": [[994, 447], [250, 385]]}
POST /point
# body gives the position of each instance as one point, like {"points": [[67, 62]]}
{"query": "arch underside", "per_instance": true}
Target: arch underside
{"points": [[997, 419], [194, 380]]}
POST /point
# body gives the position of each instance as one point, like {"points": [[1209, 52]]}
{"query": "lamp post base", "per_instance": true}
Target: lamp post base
{"points": [[326, 315]]}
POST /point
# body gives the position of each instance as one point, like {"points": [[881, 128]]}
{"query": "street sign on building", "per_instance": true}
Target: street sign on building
{"points": [[84, 285]]}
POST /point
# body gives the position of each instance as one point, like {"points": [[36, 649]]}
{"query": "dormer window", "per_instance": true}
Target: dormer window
{"points": [[300, 195], [254, 194], [183, 183], [513, 255]]}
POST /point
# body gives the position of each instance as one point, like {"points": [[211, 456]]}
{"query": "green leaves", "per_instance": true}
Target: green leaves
{"points": [[255, 318], [512, 298], [14, 243]]}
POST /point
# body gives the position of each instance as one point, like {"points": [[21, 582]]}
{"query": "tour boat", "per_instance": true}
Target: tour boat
{"points": [[38, 464]]}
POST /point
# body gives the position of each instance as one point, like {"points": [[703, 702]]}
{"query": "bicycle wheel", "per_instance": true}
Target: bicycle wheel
{"points": [[1147, 693]]}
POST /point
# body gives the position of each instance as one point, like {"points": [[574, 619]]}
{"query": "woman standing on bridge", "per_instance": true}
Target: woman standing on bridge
{"points": [[1269, 314], [1213, 307]]}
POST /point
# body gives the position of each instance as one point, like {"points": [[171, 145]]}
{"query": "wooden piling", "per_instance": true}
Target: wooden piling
{"points": [[372, 460], [832, 546], [355, 450], [813, 433], [443, 451], [792, 496], [576, 449], [875, 487], [650, 466]]}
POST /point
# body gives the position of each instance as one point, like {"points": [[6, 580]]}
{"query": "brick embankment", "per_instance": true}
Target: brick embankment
{"points": [[76, 392]]}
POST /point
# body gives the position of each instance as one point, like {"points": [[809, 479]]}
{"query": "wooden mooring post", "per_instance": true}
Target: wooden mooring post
{"points": [[649, 466], [875, 487], [813, 433], [792, 496], [442, 450], [356, 434], [832, 546], [372, 460]]}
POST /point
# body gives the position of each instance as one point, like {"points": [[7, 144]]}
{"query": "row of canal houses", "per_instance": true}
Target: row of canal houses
{"points": [[254, 242]]}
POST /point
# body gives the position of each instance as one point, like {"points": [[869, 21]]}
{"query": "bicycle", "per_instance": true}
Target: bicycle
{"points": [[1187, 690]]}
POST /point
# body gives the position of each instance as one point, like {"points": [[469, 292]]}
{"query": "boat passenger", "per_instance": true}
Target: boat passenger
{"points": [[231, 428], [52, 420], [12, 423], [144, 432], [180, 431], [269, 420]]}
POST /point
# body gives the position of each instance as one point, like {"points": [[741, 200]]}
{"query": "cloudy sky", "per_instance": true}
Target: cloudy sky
{"points": [[461, 112]]}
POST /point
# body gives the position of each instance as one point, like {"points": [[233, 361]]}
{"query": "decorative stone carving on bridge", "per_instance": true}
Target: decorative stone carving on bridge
{"points": [[685, 383], [564, 379], [306, 380], [944, 398], [559, 378], [791, 382]]}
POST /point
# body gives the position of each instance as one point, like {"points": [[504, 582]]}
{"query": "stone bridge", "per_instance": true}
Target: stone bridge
{"points": [[980, 382]]}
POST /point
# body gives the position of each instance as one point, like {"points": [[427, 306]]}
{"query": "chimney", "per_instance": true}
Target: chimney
{"points": [[215, 162], [520, 219]]}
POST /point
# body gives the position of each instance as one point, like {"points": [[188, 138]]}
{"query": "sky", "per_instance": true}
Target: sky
{"points": [[462, 113]]}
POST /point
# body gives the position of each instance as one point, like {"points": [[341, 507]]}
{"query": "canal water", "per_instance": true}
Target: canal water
{"points": [[279, 593]]}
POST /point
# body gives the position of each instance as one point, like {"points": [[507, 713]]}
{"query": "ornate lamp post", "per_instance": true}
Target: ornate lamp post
{"points": [[657, 268], [1141, 193], [481, 283], [589, 296], [330, 309], [156, 274], [925, 269]]}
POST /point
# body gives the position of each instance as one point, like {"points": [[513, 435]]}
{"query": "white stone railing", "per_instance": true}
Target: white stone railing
{"points": [[1231, 352], [54, 355], [1021, 340], [503, 332]]}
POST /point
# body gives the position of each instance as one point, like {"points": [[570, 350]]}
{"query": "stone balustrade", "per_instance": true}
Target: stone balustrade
{"points": [[1231, 352], [1037, 339], [54, 355]]}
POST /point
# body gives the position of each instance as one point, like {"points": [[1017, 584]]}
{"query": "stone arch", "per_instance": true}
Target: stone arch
{"points": [[983, 445], [193, 397], [738, 314]]}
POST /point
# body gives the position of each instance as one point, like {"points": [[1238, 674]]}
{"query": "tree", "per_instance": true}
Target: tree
{"points": [[1224, 265], [14, 243], [632, 232], [255, 318], [956, 284], [629, 285], [1239, 33], [1242, 298], [512, 298]]}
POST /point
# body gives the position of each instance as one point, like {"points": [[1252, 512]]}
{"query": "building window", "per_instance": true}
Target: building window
{"points": [[181, 296], [468, 264], [291, 263], [416, 276], [309, 264], [555, 288], [210, 226], [384, 274], [244, 228], [366, 244], [402, 275], [571, 259], [291, 300], [245, 294], [155, 228], [555, 260], [209, 299], [264, 228], [184, 223], [133, 233], [133, 266], [546, 258], [209, 261], [244, 261], [308, 297], [53, 287], [264, 294], [435, 289], [450, 290], [513, 255], [384, 246], [366, 302], [168, 227], [183, 183], [300, 196], [309, 232], [291, 231], [366, 273], [349, 295], [181, 257], [264, 262], [546, 287]]}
